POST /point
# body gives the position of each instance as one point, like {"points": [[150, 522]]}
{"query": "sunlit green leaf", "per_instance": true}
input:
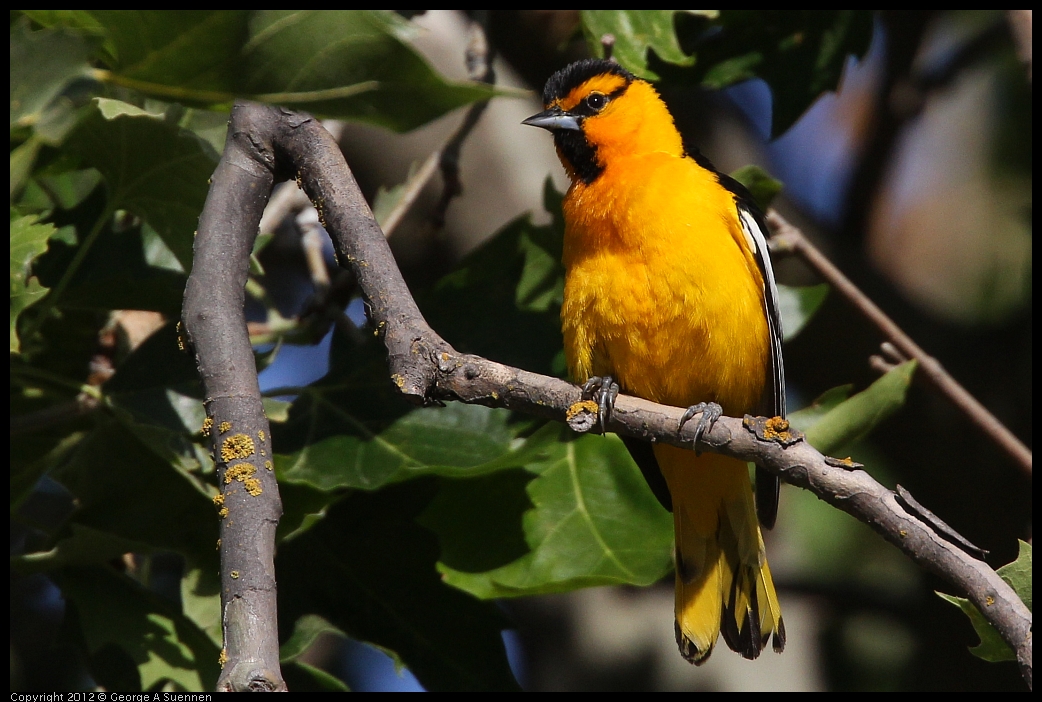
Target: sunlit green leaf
{"points": [[992, 646], [635, 31], [1018, 573], [28, 240], [592, 521], [151, 168], [457, 439], [352, 64]]}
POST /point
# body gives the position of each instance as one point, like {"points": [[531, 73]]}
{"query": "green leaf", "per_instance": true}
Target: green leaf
{"points": [[457, 439], [856, 417], [163, 643], [306, 631], [350, 64], [368, 570], [503, 301], [810, 415], [800, 54], [84, 546], [43, 64], [1018, 573], [301, 677], [992, 647], [187, 48], [759, 183], [28, 241], [798, 305], [151, 168], [126, 489], [636, 31], [592, 521], [201, 602]]}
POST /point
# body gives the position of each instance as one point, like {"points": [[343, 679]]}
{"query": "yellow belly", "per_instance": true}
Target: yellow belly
{"points": [[660, 293]]}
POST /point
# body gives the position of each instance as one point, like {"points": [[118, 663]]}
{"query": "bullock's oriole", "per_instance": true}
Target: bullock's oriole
{"points": [[670, 296]]}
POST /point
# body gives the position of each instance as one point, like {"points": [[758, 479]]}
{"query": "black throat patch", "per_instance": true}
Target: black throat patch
{"points": [[580, 153]]}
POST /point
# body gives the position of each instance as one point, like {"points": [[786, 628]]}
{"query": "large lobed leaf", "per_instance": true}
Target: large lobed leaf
{"points": [[350, 64], [586, 518]]}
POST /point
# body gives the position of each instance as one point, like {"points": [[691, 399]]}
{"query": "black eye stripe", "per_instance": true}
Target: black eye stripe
{"points": [[584, 109]]}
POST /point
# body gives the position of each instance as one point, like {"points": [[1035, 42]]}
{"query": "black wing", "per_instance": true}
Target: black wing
{"points": [[755, 228]]}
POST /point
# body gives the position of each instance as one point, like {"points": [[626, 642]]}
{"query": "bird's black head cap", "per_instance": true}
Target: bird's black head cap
{"points": [[572, 76]]}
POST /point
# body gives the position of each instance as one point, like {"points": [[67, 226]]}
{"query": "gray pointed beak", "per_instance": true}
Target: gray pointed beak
{"points": [[553, 119]]}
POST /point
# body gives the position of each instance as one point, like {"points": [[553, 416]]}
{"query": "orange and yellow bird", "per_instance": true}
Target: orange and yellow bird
{"points": [[670, 296]]}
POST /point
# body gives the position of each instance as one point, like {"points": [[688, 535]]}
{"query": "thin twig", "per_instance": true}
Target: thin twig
{"points": [[788, 238]]}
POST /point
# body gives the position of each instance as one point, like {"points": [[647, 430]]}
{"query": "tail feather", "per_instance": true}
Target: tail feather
{"points": [[723, 582]]}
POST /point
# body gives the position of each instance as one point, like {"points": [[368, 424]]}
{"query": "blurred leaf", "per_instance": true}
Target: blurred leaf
{"points": [[69, 188], [810, 415], [854, 418], [117, 274], [84, 546], [43, 63], [153, 169], [306, 631], [759, 183], [593, 521], [303, 506], [387, 199], [800, 54], [636, 31], [201, 602], [798, 305], [349, 64], [301, 677], [368, 570], [163, 643], [28, 240]]}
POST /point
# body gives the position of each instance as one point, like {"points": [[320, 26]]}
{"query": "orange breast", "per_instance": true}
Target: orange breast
{"points": [[661, 291]]}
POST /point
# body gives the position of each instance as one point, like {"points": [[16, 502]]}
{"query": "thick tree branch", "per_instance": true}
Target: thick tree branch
{"points": [[427, 369], [248, 502]]}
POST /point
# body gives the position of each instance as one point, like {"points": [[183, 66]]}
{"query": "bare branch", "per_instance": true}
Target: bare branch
{"points": [[248, 502], [788, 238]]}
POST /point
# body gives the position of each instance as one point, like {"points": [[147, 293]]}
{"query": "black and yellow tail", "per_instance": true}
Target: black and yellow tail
{"points": [[723, 583]]}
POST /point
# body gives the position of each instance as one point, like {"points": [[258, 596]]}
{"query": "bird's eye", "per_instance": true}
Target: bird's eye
{"points": [[597, 101]]}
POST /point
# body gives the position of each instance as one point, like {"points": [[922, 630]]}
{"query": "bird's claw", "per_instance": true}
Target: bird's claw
{"points": [[710, 412], [603, 390]]}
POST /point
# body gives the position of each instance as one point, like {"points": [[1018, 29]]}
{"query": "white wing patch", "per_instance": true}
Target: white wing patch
{"points": [[757, 240]]}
